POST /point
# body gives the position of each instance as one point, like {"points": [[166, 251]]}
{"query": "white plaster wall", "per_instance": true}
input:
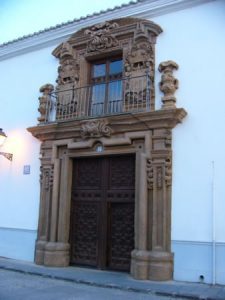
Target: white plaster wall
{"points": [[21, 78], [195, 39]]}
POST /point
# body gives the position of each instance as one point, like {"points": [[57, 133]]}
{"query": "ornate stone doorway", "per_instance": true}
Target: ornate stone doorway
{"points": [[102, 212], [70, 129]]}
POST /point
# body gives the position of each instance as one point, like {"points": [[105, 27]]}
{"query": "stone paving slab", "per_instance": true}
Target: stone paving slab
{"points": [[118, 280]]}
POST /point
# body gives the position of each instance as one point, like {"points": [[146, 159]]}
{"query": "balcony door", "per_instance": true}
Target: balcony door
{"points": [[106, 92]]}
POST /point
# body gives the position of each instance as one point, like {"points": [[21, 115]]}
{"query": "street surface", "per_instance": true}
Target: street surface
{"points": [[18, 286]]}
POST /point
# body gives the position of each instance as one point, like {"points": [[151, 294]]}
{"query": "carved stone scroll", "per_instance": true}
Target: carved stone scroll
{"points": [[168, 84], [95, 129], [101, 38]]}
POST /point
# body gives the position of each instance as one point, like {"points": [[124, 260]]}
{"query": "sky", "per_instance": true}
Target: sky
{"points": [[22, 17]]}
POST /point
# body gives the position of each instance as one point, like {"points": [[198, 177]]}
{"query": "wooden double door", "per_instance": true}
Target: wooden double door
{"points": [[102, 212]]}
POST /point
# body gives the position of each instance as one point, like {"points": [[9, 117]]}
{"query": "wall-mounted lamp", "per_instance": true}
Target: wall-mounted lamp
{"points": [[3, 137]]}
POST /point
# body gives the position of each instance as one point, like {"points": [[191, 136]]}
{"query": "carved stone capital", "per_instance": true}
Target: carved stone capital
{"points": [[168, 84], [95, 129]]}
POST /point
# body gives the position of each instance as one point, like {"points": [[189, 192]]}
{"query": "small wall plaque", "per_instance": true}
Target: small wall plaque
{"points": [[26, 169]]}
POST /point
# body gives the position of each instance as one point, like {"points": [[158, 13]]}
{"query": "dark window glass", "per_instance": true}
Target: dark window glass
{"points": [[106, 91], [115, 67], [99, 70]]}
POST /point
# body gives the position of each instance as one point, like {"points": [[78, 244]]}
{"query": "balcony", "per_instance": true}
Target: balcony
{"points": [[127, 95]]}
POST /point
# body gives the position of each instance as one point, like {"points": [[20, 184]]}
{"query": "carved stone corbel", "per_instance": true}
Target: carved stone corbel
{"points": [[168, 84], [159, 177]]}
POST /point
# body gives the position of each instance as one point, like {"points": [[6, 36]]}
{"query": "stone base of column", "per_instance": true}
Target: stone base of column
{"points": [[152, 265], [140, 264], [161, 266], [57, 254], [39, 252]]}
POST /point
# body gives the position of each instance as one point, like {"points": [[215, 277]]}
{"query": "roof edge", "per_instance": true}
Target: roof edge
{"points": [[54, 35]]}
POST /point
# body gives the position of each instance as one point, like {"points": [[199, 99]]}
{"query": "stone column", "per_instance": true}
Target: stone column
{"points": [[159, 186], [140, 255]]}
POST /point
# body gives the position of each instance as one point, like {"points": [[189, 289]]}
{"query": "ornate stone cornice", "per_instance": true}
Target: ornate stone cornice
{"points": [[166, 119], [54, 35]]}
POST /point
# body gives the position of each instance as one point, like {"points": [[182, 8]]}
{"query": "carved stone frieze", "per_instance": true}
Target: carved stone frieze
{"points": [[149, 169], [159, 178], [168, 139], [168, 171], [168, 84], [46, 177], [139, 62], [45, 102], [95, 129], [100, 37], [139, 59], [68, 71]]}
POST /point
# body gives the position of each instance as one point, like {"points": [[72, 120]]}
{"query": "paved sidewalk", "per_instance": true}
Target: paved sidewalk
{"points": [[118, 280]]}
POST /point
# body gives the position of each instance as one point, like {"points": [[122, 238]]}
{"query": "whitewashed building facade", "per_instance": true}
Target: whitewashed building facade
{"points": [[194, 37]]}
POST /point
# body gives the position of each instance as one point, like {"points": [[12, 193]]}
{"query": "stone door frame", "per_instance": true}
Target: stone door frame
{"points": [[152, 257]]}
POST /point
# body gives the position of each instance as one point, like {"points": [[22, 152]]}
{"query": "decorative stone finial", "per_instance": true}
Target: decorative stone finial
{"points": [[45, 102], [168, 84]]}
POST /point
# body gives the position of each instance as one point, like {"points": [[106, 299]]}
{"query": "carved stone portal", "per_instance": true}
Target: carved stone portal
{"points": [[145, 135]]}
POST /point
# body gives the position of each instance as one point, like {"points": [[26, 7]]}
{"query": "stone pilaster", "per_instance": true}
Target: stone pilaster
{"points": [[140, 255], [46, 182], [57, 249], [159, 193]]}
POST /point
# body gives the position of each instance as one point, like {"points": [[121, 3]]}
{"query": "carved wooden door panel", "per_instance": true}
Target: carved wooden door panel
{"points": [[120, 199], [85, 207], [102, 212]]}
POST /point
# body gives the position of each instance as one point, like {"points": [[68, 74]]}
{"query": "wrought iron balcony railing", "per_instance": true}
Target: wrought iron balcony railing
{"points": [[114, 97]]}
